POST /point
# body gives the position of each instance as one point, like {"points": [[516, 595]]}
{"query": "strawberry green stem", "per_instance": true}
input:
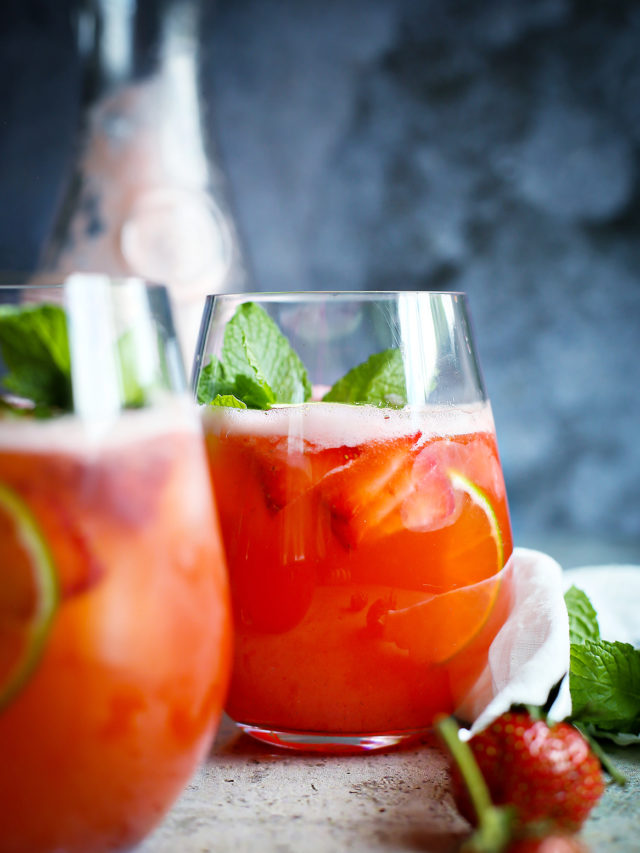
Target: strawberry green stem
{"points": [[495, 823], [466, 763], [608, 765]]}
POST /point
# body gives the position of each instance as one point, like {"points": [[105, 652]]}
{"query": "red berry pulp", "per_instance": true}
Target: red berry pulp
{"points": [[125, 699], [366, 583]]}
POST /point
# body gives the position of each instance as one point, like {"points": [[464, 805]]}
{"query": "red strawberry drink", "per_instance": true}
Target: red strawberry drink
{"points": [[103, 733], [363, 513], [115, 628], [364, 547]]}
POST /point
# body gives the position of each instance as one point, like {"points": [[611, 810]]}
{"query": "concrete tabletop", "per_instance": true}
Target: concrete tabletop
{"points": [[250, 797]]}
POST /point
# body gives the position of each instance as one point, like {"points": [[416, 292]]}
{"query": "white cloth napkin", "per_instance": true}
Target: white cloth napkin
{"points": [[530, 654], [614, 592]]}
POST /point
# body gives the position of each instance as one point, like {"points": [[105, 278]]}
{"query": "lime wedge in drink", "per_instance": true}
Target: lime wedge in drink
{"points": [[436, 629], [478, 497], [28, 593]]}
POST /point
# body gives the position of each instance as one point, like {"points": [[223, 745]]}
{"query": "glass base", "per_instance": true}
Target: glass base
{"points": [[332, 743]]}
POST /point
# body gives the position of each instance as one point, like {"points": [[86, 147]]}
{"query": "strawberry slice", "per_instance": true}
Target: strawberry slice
{"points": [[363, 495], [288, 467], [283, 468], [59, 517], [78, 567], [475, 455], [431, 502], [436, 498], [401, 484]]}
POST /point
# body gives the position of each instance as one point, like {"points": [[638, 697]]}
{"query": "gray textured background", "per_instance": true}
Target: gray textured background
{"points": [[487, 146]]}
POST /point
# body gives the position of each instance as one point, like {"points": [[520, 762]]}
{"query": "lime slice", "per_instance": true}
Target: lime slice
{"points": [[464, 484], [28, 593], [438, 628]]}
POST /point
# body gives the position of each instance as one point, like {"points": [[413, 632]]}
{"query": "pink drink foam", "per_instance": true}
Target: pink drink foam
{"points": [[336, 424], [70, 434]]}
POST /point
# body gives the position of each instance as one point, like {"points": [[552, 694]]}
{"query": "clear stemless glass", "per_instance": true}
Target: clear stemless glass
{"points": [[114, 617], [363, 510]]}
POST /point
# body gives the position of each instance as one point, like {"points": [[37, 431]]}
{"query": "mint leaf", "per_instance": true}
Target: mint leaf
{"points": [[227, 400], [583, 621], [137, 384], [258, 365], [605, 685], [255, 391], [379, 381], [214, 382], [35, 350], [254, 347], [34, 344], [604, 677], [211, 381], [133, 392]]}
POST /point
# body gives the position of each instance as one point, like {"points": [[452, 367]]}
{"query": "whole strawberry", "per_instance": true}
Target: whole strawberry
{"points": [[548, 844], [547, 771], [524, 784]]}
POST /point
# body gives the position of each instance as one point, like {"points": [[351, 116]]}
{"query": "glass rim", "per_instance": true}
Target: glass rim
{"points": [[112, 280], [302, 295], [118, 344], [4, 286]]}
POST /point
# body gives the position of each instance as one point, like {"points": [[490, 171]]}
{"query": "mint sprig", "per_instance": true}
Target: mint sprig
{"points": [[604, 676], [258, 365], [378, 381], [583, 620], [228, 400], [605, 685], [259, 368], [35, 350], [37, 382]]}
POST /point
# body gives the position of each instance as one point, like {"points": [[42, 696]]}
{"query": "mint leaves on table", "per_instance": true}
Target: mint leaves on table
{"points": [[605, 685], [583, 621], [379, 381], [604, 676], [258, 368], [35, 349]]}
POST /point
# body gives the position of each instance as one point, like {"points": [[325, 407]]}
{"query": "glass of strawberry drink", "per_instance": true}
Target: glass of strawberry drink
{"points": [[363, 511], [114, 617]]}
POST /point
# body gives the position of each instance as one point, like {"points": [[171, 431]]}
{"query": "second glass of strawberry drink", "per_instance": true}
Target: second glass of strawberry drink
{"points": [[115, 630], [363, 510]]}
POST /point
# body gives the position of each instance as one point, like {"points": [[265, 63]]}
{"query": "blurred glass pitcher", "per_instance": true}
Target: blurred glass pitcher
{"points": [[146, 195]]}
